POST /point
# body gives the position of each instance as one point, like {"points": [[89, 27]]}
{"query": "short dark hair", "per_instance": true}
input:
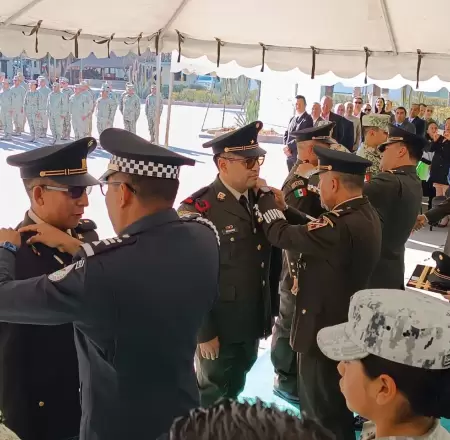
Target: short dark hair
{"points": [[422, 104], [414, 103], [153, 188], [401, 108], [230, 420], [427, 391], [351, 182], [29, 184], [301, 97]]}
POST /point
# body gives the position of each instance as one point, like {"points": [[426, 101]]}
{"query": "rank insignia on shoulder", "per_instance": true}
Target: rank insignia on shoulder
{"points": [[319, 223], [100, 246], [314, 189], [221, 196]]}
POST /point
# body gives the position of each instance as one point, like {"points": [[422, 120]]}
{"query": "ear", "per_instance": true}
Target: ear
{"points": [[386, 389], [125, 195], [222, 164], [37, 195]]}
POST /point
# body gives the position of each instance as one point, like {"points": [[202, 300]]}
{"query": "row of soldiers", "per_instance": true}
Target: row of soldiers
{"points": [[62, 107]]}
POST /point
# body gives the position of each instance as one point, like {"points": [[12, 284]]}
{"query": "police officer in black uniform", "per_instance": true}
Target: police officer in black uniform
{"points": [[229, 339], [396, 193], [301, 191], [136, 301], [39, 384], [339, 252]]}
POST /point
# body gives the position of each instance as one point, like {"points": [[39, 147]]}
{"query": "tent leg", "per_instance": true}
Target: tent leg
{"points": [[207, 108], [224, 103], [169, 108], [158, 96]]}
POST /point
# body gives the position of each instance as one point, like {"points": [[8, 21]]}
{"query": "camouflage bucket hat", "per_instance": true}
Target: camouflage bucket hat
{"points": [[376, 120], [407, 327]]}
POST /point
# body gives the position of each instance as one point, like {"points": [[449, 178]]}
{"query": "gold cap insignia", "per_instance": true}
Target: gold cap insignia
{"points": [[221, 196]]}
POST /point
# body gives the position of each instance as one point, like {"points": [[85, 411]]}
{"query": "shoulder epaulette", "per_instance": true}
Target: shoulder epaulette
{"points": [[340, 212], [193, 197], [322, 222], [101, 246], [194, 200], [85, 225], [193, 216], [396, 171]]}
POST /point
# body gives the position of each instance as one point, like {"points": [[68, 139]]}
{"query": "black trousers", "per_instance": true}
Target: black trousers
{"points": [[284, 359], [320, 395], [225, 377]]}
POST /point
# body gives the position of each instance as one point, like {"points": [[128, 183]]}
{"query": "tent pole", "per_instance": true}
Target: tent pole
{"points": [[207, 108], [158, 96], [390, 30], [224, 103], [169, 108]]}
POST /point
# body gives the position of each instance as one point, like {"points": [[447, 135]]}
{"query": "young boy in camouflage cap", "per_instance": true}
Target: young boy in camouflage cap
{"points": [[394, 359]]}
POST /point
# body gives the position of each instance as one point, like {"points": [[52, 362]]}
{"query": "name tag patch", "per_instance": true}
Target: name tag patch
{"points": [[230, 229]]}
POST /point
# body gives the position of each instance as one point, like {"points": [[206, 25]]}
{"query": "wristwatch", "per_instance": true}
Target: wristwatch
{"points": [[9, 247]]}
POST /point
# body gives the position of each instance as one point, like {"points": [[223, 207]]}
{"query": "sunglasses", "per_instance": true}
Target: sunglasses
{"points": [[75, 192], [367, 110], [249, 162], [104, 186]]}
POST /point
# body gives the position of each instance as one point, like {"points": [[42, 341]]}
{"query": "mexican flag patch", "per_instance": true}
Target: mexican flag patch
{"points": [[300, 192]]}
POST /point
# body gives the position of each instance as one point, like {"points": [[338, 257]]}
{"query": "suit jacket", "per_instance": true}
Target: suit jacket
{"points": [[296, 123], [343, 132], [243, 311], [397, 197], [420, 125], [408, 126], [39, 384], [356, 131]]}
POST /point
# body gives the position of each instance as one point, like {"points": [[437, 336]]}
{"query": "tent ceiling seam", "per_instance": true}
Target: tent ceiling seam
{"points": [[390, 31], [20, 12], [174, 16]]}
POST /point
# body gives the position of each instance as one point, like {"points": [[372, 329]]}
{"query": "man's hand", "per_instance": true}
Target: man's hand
{"points": [[10, 235], [287, 151], [421, 221], [210, 350], [279, 198], [52, 237], [294, 289], [304, 169]]}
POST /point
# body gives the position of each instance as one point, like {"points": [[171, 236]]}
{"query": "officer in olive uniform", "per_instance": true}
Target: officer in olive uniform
{"points": [[338, 257], [301, 191], [396, 194], [135, 331], [39, 384], [229, 339]]}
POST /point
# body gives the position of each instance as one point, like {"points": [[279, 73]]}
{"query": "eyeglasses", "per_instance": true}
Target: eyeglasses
{"points": [[249, 162], [75, 192], [104, 186], [358, 102], [367, 110]]}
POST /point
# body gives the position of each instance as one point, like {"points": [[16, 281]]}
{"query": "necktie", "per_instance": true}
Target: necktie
{"points": [[244, 202]]}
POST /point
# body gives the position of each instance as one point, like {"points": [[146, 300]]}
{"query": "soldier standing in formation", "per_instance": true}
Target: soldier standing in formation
{"points": [[55, 112], [67, 93], [375, 129], [396, 193], [150, 112], [106, 109], [301, 191], [6, 110], [80, 106], [124, 392], [44, 91], [338, 258], [31, 107], [229, 339], [91, 98], [39, 383], [130, 107], [18, 96]]}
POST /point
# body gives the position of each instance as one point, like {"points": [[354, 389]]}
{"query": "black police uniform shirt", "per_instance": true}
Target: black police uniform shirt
{"points": [[136, 302], [338, 258], [397, 197], [39, 383], [243, 311]]}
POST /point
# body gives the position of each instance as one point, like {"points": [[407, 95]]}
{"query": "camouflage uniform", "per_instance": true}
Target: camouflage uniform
{"points": [[370, 152], [385, 323], [31, 107], [91, 98], [106, 110], [55, 112], [80, 106], [150, 112], [18, 96], [67, 93], [130, 107], [6, 112], [44, 91]]}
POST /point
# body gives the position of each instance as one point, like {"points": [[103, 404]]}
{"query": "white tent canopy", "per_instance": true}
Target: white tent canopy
{"points": [[283, 32]]}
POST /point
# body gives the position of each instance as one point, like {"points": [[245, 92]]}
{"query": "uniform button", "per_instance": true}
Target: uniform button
{"points": [[292, 263], [262, 264], [254, 231], [41, 404], [232, 239], [303, 311], [259, 247], [260, 220], [264, 283]]}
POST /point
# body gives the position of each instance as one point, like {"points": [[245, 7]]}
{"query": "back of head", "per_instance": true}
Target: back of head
{"points": [[232, 420]]}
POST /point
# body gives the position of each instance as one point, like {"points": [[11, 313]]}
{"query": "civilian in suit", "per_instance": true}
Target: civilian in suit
{"points": [[316, 109], [402, 122], [389, 111], [343, 131], [419, 123], [356, 124], [300, 121]]}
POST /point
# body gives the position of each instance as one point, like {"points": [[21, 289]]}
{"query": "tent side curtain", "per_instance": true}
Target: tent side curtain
{"points": [[380, 38]]}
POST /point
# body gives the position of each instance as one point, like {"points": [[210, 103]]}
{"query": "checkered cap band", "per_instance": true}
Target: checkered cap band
{"points": [[143, 168]]}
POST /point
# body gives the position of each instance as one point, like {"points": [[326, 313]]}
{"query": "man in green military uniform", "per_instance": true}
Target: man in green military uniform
{"points": [[229, 339], [396, 193], [339, 252], [375, 128], [301, 192]]}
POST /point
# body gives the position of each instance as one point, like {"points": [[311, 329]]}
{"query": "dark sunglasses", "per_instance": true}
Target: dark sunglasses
{"points": [[249, 162], [75, 192], [104, 186], [368, 110]]}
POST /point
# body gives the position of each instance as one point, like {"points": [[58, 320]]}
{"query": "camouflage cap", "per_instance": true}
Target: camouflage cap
{"points": [[375, 120], [407, 327], [129, 85], [63, 80]]}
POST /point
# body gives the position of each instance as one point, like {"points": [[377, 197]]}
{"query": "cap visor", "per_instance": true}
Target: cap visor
{"points": [[335, 344], [76, 180], [106, 174]]}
